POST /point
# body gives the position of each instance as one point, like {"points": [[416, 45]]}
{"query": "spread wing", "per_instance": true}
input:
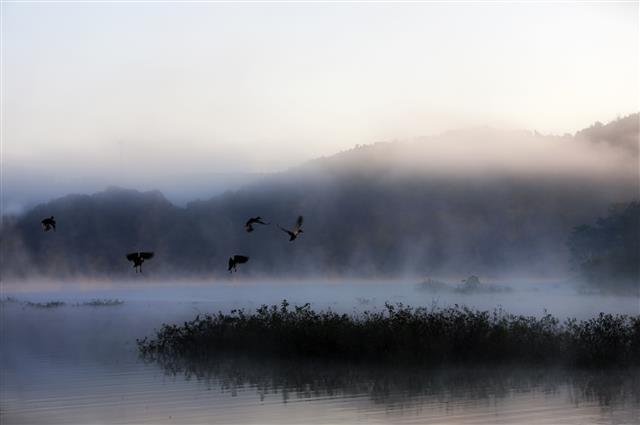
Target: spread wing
{"points": [[146, 255], [285, 230], [132, 256], [231, 263], [240, 259], [298, 224]]}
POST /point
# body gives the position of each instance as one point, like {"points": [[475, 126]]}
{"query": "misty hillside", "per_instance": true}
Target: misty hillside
{"points": [[451, 205], [622, 133]]}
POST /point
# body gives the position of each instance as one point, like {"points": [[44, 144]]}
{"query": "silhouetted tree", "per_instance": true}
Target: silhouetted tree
{"points": [[607, 254]]}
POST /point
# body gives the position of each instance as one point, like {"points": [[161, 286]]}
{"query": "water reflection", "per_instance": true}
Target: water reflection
{"points": [[79, 364], [400, 384]]}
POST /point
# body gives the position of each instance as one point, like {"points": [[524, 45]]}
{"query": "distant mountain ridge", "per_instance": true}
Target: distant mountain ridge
{"points": [[621, 133], [427, 207]]}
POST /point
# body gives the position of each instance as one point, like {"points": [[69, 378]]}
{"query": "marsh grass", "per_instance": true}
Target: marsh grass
{"points": [[101, 303], [48, 304], [434, 285], [403, 334], [9, 300], [53, 304]]}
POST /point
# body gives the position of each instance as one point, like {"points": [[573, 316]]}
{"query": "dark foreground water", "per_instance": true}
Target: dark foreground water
{"points": [[79, 364]]}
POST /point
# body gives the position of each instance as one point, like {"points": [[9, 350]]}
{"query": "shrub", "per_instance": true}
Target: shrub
{"points": [[399, 333]]}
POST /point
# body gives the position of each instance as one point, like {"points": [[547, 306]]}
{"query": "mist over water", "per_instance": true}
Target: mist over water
{"points": [[482, 219], [466, 176], [79, 363]]}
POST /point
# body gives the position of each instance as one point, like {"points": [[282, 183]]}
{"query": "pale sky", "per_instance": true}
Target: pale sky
{"points": [[141, 91]]}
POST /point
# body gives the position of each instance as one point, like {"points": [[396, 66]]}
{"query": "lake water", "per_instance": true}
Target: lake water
{"points": [[79, 364]]}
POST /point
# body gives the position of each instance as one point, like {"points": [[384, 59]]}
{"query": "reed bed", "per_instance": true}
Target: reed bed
{"points": [[403, 334]]}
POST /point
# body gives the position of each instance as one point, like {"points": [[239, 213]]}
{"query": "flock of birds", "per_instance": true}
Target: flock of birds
{"points": [[137, 258]]}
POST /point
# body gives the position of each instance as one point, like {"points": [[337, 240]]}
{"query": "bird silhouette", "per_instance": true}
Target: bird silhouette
{"points": [[48, 224], [248, 226], [137, 258], [235, 260], [297, 229]]}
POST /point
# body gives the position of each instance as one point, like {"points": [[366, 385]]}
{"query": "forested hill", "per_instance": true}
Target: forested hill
{"points": [[429, 206]]}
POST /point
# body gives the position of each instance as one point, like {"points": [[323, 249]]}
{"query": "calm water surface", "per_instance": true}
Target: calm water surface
{"points": [[79, 364]]}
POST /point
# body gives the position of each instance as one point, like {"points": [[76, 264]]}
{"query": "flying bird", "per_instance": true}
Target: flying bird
{"points": [[235, 260], [248, 226], [137, 258], [48, 224], [297, 229]]}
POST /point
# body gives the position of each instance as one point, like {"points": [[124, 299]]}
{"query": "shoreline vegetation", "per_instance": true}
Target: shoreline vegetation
{"points": [[470, 285], [401, 334], [107, 302]]}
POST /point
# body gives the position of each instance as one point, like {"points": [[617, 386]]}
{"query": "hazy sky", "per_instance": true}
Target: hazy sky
{"points": [[137, 91]]}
